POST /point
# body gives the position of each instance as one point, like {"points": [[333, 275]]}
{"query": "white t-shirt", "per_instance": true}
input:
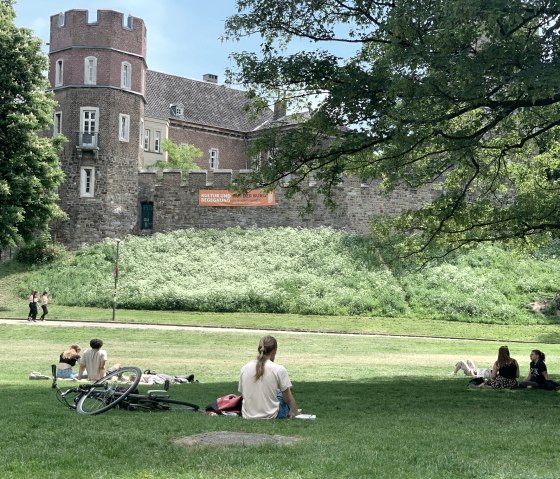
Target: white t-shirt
{"points": [[92, 359], [259, 397]]}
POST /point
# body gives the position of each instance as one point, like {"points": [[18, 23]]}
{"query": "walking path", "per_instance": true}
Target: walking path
{"points": [[226, 330]]}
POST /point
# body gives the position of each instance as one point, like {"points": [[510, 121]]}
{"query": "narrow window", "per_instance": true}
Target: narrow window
{"points": [[146, 139], [57, 127], [214, 159], [125, 75], [90, 70], [87, 181], [157, 139], [124, 127], [61, 18], [59, 73]]}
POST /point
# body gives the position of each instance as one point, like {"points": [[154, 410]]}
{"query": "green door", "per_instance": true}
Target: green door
{"points": [[147, 217]]}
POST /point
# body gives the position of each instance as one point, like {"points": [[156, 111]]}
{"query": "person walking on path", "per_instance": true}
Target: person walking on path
{"points": [[44, 305], [33, 299]]}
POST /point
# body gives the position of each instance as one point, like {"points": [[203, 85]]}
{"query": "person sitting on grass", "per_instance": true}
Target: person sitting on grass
{"points": [[505, 372], [67, 361], [93, 361], [538, 374], [266, 387], [470, 369]]}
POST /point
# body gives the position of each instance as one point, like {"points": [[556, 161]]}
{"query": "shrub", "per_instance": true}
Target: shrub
{"points": [[39, 251]]}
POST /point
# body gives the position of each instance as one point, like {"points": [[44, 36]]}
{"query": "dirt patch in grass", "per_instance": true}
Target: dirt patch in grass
{"points": [[231, 438]]}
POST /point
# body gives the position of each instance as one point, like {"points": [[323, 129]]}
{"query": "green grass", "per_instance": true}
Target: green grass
{"points": [[386, 409], [290, 271]]}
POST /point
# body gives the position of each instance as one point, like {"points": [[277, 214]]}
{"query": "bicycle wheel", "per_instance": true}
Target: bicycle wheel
{"points": [[109, 391], [175, 404], [69, 397]]}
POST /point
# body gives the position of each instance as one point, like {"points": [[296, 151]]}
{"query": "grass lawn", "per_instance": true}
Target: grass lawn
{"points": [[386, 408]]}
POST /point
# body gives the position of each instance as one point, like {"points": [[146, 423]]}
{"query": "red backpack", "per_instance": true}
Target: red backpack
{"points": [[225, 406]]}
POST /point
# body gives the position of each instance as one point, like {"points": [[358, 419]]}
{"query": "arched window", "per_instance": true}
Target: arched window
{"points": [[90, 70]]}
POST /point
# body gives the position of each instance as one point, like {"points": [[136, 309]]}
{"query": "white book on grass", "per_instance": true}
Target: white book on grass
{"points": [[306, 416]]}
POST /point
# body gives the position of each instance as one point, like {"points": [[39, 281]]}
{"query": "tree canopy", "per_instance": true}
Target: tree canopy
{"points": [[180, 157], [29, 165], [459, 96]]}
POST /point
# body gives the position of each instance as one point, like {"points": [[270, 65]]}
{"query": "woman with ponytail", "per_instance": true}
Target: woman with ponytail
{"points": [[538, 374], [265, 386]]}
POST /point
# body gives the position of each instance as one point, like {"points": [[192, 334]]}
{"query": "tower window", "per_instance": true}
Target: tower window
{"points": [[90, 70], [57, 128], [124, 127], [61, 18], [59, 73], [126, 75], [87, 181]]}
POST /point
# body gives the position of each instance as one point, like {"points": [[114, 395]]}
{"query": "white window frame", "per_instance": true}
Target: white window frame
{"points": [[124, 127], [90, 70], [89, 122], [61, 19], [147, 134], [57, 123], [59, 72], [126, 75], [157, 141], [214, 160], [87, 181]]}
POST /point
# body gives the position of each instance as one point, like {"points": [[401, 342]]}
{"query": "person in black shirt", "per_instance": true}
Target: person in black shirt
{"points": [[538, 374], [505, 372], [67, 361]]}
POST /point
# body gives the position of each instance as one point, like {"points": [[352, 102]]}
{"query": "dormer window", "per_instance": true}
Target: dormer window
{"points": [[177, 110]]}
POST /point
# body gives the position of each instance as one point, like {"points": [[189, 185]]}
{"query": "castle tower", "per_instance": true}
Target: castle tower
{"points": [[97, 73]]}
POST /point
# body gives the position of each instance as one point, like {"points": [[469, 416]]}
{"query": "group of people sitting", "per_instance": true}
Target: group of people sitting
{"points": [[504, 373], [91, 365], [265, 385]]}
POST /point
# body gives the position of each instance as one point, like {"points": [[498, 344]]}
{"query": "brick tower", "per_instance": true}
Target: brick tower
{"points": [[97, 73]]}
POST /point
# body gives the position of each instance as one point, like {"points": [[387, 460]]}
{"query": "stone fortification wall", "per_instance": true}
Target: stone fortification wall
{"points": [[175, 203]]}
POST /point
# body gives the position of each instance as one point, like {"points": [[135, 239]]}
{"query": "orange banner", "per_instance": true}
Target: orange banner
{"points": [[231, 198]]}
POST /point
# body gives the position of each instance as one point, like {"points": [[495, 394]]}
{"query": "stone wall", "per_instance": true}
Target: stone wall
{"points": [[175, 202]]}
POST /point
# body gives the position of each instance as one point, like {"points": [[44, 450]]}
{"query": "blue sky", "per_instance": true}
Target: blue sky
{"points": [[183, 35]]}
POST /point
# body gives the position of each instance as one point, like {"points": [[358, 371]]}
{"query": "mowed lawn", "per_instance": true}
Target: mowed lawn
{"points": [[386, 408]]}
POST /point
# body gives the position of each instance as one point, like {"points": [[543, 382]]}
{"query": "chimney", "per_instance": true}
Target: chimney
{"points": [[279, 109], [210, 78]]}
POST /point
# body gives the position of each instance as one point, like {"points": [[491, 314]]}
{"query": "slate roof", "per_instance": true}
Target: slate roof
{"points": [[204, 103]]}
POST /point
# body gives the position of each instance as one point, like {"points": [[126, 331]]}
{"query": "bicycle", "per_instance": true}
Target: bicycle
{"points": [[118, 388]]}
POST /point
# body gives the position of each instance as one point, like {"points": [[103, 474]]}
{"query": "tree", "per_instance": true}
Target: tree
{"points": [[180, 157], [29, 165], [459, 96]]}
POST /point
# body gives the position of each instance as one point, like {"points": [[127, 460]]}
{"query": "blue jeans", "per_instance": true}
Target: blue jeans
{"points": [[283, 408], [68, 374]]}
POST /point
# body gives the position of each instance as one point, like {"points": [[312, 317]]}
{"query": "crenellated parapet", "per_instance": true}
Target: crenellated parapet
{"points": [[174, 197], [109, 29], [91, 52]]}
